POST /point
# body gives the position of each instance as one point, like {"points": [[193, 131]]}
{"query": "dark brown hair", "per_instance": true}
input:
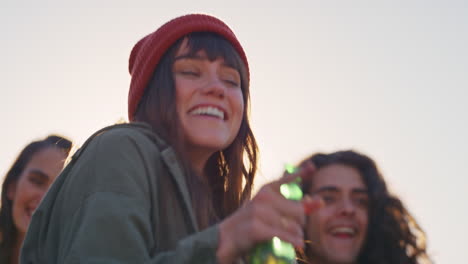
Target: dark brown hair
{"points": [[8, 232], [230, 172], [393, 235]]}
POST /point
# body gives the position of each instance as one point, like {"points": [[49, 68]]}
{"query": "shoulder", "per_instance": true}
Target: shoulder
{"points": [[120, 139], [132, 133], [120, 158]]}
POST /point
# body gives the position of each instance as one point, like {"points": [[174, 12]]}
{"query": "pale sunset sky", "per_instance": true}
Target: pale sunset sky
{"points": [[387, 78]]}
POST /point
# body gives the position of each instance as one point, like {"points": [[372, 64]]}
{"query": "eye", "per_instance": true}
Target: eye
{"points": [[328, 198], [190, 72], [232, 83], [230, 76], [186, 68], [37, 180], [362, 201]]}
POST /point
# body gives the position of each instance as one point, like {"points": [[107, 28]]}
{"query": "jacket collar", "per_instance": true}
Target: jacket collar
{"points": [[170, 158], [177, 172]]}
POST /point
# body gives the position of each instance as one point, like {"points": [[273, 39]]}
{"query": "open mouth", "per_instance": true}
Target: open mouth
{"points": [[209, 111], [30, 211], [343, 232]]}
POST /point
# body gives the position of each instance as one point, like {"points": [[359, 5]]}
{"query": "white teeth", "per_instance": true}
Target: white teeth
{"points": [[343, 230], [208, 110]]}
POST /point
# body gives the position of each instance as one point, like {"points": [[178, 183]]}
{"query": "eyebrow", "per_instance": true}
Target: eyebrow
{"points": [[190, 56], [200, 58], [39, 172], [335, 189], [326, 189]]}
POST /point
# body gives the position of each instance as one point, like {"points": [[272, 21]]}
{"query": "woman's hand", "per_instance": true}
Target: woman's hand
{"points": [[267, 215]]}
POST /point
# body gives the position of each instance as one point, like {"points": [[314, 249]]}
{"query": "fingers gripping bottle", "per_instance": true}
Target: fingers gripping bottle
{"points": [[277, 251]]}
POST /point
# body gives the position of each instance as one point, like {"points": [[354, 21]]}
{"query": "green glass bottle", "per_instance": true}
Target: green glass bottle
{"points": [[276, 251]]}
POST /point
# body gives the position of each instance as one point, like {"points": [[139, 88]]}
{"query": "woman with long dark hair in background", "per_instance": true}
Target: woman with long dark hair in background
{"points": [[23, 187]]}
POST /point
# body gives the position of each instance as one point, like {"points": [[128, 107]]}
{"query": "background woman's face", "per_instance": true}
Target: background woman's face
{"points": [[209, 101], [33, 183], [338, 230]]}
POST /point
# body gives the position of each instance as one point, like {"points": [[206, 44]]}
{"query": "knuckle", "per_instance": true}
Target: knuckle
{"points": [[255, 212], [255, 229], [263, 194]]}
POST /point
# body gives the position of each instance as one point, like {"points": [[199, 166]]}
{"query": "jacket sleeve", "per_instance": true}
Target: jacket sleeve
{"points": [[111, 223]]}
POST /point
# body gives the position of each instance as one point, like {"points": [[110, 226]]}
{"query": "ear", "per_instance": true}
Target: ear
{"points": [[11, 190]]}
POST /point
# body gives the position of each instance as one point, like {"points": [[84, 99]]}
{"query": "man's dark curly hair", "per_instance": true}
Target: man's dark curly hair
{"points": [[393, 236]]}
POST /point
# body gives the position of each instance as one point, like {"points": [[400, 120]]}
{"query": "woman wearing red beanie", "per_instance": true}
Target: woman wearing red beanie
{"points": [[173, 185]]}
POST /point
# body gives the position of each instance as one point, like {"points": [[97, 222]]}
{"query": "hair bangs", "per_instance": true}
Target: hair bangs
{"points": [[215, 47]]}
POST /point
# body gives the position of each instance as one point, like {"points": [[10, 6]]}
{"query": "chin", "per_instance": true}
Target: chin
{"points": [[332, 254], [22, 228], [344, 258], [211, 142]]}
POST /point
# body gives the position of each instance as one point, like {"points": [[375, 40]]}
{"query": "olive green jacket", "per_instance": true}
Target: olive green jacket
{"points": [[122, 198]]}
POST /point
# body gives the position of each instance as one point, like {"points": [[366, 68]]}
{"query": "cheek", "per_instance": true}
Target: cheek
{"points": [[21, 189], [320, 218], [313, 226], [19, 201], [237, 104], [363, 217], [11, 191], [179, 99], [26, 191], [182, 93]]}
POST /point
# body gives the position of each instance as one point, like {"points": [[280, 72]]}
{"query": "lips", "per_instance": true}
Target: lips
{"points": [[30, 211], [343, 231], [209, 110]]}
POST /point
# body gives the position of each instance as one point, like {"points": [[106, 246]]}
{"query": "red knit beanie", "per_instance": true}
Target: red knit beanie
{"points": [[148, 51]]}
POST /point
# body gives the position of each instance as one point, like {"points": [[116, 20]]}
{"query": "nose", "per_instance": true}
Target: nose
{"points": [[38, 194], [38, 197], [214, 86], [347, 207], [36, 202]]}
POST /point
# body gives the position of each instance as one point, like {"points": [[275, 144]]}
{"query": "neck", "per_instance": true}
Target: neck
{"points": [[16, 249], [198, 161]]}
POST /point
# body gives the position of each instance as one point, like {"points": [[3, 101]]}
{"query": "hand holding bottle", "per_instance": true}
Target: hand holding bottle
{"points": [[269, 214]]}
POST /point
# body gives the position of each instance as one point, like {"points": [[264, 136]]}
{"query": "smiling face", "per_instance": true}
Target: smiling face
{"points": [[338, 230], [33, 183], [209, 103]]}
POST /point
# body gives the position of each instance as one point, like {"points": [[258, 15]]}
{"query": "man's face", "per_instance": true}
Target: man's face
{"points": [[338, 230]]}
